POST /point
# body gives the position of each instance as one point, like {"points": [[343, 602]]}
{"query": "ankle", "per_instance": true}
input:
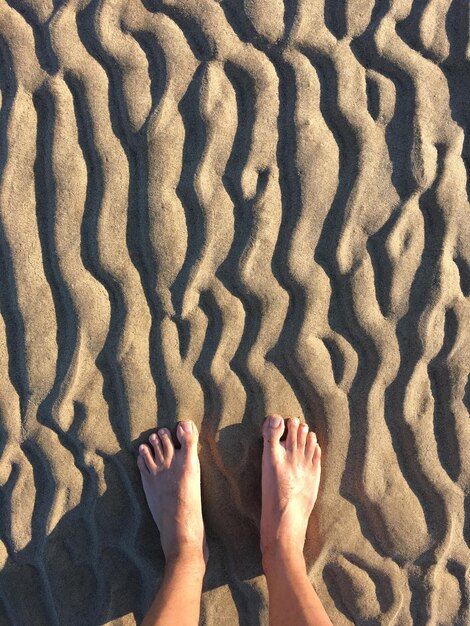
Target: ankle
{"points": [[186, 559], [279, 555]]}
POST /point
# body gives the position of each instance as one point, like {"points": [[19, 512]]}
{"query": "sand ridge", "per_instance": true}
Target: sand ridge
{"points": [[216, 210]]}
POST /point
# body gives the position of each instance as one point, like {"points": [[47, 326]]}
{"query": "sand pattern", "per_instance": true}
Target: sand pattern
{"points": [[216, 210]]}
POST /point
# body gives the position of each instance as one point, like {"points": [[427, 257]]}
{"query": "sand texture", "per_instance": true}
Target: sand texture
{"points": [[216, 210]]}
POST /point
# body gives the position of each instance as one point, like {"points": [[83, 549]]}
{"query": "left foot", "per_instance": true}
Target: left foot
{"points": [[172, 484]]}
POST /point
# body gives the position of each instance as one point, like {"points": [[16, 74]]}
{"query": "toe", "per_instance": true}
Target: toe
{"points": [[273, 429], [167, 444], [302, 437], [187, 436], [141, 465], [292, 428], [148, 458], [157, 448], [317, 458], [310, 445]]}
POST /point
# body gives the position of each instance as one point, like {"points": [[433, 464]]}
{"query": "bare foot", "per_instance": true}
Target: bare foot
{"points": [[290, 481], [172, 484]]}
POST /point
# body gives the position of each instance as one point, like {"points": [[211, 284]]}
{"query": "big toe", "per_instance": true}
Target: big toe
{"points": [[187, 436], [273, 429]]}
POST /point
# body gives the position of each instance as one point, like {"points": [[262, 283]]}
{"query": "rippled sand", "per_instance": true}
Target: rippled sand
{"points": [[216, 210]]}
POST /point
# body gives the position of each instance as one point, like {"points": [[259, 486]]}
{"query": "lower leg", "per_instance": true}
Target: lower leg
{"points": [[290, 481], [172, 486], [178, 600], [292, 599]]}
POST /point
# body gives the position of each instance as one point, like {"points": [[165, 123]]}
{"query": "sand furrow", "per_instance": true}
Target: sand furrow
{"points": [[16, 477], [169, 229], [248, 70], [264, 299], [133, 77], [113, 265], [353, 275], [27, 283], [28, 293], [224, 392]]}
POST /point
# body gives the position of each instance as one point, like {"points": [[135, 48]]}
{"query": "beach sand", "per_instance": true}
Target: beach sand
{"points": [[216, 210]]}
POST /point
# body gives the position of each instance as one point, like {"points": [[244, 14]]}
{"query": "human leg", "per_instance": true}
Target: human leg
{"points": [[172, 485], [290, 480]]}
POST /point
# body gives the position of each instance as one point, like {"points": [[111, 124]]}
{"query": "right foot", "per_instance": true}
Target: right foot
{"points": [[172, 484], [290, 480]]}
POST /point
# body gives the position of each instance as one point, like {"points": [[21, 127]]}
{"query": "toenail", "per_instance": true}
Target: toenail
{"points": [[295, 421], [153, 437], [186, 426], [305, 426], [142, 449], [162, 432], [275, 421]]}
